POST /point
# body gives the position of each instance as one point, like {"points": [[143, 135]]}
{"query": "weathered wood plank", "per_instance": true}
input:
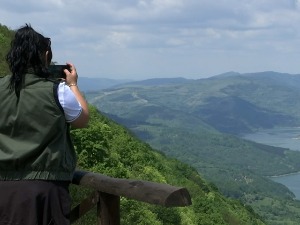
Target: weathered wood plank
{"points": [[145, 191]]}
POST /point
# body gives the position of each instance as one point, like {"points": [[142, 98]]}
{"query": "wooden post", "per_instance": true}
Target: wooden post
{"points": [[108, 209], [86, 205]]}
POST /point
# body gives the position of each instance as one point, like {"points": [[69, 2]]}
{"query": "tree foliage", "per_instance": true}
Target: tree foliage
{"points": [[108, 148], [5, 39]]}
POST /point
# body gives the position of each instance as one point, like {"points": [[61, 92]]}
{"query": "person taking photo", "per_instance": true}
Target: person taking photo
{"points": [[37, 157]]}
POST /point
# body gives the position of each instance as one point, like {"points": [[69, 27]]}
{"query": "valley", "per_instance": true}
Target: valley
{"points": [[200, 122]]}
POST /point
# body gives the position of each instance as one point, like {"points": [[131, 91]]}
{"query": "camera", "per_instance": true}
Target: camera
{"points": [[57, 71]]}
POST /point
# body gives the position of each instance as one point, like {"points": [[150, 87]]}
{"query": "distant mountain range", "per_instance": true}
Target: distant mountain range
{"points": [[200, 121], [231, 102], [96, 84], [178, 115]]}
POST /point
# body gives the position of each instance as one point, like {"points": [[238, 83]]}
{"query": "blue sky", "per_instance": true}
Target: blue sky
{"points": [[141, 39]]}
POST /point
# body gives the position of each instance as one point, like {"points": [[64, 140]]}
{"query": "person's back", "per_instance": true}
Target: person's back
{"points": [[33, 130], [37, 158]]}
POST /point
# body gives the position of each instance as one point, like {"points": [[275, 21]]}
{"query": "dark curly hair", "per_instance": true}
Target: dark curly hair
{"points": [[28, 49]]}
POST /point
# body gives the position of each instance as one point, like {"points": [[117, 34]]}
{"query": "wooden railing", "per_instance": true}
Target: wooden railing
{"points": [[108, 191]]}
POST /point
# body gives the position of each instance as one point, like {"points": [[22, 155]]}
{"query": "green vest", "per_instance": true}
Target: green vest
{"points": [[35, 140]]}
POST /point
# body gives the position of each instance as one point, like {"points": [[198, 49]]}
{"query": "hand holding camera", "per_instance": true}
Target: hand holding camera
{"points": [[71, 75], [65, 72], [57, 71]]}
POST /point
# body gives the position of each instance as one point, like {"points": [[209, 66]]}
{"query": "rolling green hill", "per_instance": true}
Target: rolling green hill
{"points": [[231, 104]]}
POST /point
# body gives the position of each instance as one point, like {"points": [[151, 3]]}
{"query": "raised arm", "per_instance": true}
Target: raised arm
{"points": [[71, 81]]}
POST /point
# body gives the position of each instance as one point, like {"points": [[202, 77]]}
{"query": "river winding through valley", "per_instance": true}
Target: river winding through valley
{"points": [[288, 137]]}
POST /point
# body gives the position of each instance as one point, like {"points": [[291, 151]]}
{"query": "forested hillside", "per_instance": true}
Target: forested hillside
{"points": [[5, 38], [108, 148]]}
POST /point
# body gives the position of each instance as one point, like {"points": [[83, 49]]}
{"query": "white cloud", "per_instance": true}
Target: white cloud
{"points": [[172, 37]]}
